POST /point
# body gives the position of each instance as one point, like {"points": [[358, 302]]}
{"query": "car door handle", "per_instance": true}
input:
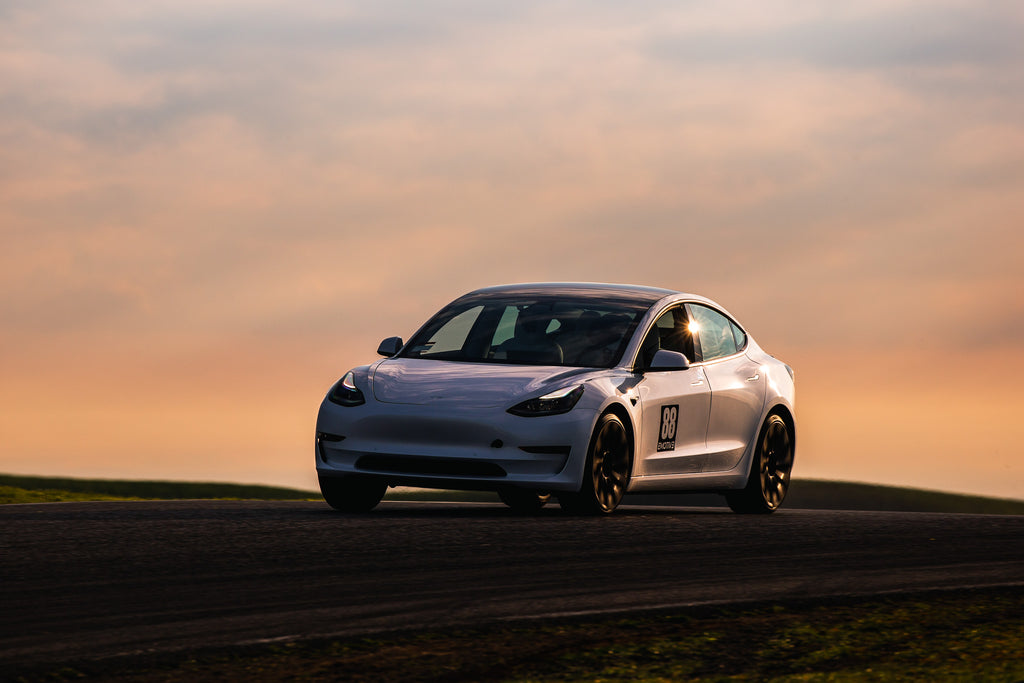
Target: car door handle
{"points": [[754, 378]]}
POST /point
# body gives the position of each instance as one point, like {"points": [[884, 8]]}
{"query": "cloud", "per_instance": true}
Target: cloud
{"points": [[890, 37]]}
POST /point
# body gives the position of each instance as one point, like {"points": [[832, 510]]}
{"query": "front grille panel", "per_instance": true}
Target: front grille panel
{"points": [[445, 467], [547, 450]]}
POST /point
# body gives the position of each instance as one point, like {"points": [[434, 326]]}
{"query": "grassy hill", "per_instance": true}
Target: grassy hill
{"points": [[28, 489], [839, 495], [812, 494], [805, 494]]}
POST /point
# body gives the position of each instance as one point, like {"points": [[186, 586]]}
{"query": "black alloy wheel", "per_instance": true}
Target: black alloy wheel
{"points": [[769, 472], [607, 472], [352, 493]]}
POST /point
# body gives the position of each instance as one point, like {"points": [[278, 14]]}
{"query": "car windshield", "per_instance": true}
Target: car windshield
{"points": [[585, 332]]}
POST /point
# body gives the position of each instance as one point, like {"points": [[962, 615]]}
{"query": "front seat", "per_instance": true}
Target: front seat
{"points": [[530, 342]]}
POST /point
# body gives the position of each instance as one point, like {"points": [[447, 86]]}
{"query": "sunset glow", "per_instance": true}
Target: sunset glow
{"points": [[211, 211]]}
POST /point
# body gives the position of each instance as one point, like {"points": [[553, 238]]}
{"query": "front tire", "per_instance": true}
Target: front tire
{"points": [[770, 471], [607, 472], [352, 493]]}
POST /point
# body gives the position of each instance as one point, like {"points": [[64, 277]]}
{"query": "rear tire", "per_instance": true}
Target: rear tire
{"points": [[523, 500], [607, 472], [770, 471], [352, 493]]}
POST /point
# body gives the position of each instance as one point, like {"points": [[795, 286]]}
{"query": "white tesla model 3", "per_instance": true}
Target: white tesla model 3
{"points": [[581, 391]]}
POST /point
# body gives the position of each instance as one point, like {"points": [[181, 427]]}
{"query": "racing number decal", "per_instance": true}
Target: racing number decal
{"points": [[669, 422]]}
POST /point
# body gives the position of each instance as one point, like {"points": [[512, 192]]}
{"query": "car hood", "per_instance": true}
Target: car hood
{"points": [[418, 381]]}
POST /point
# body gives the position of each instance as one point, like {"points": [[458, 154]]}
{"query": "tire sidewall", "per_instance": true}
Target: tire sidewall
{"points": [[752, 499]]}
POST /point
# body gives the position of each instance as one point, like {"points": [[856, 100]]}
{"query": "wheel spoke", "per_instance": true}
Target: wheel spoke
{"points": [[766, 485]]}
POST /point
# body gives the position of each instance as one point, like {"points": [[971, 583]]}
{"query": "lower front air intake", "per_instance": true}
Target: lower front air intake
{"points": [[447, 467]]}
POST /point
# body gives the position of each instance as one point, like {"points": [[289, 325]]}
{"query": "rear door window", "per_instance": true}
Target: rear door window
{"points": [[714, 333]]}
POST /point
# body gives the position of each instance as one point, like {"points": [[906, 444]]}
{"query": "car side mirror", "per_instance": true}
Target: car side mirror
{"points": [[390, 346], [665, 360]]}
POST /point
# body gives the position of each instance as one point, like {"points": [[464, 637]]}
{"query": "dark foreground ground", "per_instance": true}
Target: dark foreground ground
{"points": [[955, 636], [88, 585]]}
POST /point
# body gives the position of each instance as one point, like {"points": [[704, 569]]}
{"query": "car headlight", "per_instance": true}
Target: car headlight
{"points": [[345, 392], [555, 403]]}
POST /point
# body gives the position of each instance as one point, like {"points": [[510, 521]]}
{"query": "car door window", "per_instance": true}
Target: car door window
{"points": [[740, 335], [714, 333], [670, 332]]}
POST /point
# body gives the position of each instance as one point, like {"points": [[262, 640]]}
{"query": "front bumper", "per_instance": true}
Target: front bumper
{"points": [[453, 446]]}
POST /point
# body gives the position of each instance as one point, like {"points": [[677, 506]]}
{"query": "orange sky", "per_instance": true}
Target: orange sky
{"points": [[209, 211]]}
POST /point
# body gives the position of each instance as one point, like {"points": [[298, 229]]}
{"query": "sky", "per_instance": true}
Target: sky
{"points": [[209, 211]]}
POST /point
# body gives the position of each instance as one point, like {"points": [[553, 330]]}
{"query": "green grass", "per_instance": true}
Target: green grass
{"points": [[970, 636], [28, 489], [16, 494], [841, 495]]}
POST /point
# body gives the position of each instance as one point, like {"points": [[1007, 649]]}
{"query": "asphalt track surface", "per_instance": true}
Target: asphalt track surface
{"points": [[96, 580]]}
